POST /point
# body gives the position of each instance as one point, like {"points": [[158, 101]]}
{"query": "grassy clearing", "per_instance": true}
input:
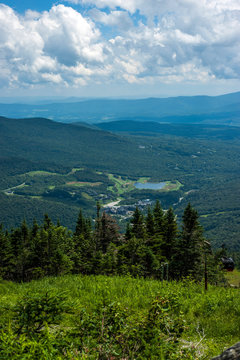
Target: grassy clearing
{"points": [[216, 214], [121, 186], [172, 186], [41, 173], [233, 277], [82, 183], [86, 196], [76, 169], [47, 173], [211, 318]]}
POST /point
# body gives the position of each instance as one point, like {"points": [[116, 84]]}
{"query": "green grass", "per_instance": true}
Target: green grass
{"points": [[211, 318], [233, 277], [86, 196], [121, 186], [76, 169], [82, 183], [214, 214], [40, 173]]}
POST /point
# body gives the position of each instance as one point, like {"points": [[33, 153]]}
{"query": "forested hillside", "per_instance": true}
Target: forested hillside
{"points": [[54, 168], [152, 128]]}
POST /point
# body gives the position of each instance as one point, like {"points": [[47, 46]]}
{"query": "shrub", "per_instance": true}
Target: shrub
{"points": [[33, 312]]}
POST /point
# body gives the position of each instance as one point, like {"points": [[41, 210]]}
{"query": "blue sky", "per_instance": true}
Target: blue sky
{"points": [[22, 5], [130, 48]]}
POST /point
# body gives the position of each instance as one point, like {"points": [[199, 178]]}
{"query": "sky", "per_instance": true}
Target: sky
{"points": [[119, 48]]}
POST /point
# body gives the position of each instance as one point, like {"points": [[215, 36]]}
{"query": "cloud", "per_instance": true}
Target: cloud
{"points": [[44, 47], [109, 42], [120, 19]]}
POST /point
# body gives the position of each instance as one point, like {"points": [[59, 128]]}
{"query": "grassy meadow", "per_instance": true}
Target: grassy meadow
{"points": [[99, 317]]}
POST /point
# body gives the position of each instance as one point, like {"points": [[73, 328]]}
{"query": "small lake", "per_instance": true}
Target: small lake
{"points": [[150, 186]]}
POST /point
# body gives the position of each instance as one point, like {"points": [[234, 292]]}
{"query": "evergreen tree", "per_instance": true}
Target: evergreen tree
{"points": [[188, 259], [154, 225], [52, 250], [109, 260], [169, 234], [20, 244], [159, 222], [149, 261], [98, 227], [129, 257], [34, 229], [6, 256], [138, 226], [84, 246], [81, 225], [128, 233], [150, 228], [47, 222]]}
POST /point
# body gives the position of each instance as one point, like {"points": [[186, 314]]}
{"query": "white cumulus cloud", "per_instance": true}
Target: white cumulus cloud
{"points": [[132, 41]]}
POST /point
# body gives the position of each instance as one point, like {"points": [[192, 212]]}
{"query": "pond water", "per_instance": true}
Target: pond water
{"points": [[150, 186]]}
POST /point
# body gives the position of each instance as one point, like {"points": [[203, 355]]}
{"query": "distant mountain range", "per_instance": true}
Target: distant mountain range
{"points": [[221, 110]]}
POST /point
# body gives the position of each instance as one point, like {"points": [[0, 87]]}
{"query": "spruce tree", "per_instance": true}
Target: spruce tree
{"points": [[150, 228], [158, 218], [21, 250], [81, 225], [98, 227], [188, 259], [138, 226], [6, 256], [169, 234], [128, 233], [34, 229]]}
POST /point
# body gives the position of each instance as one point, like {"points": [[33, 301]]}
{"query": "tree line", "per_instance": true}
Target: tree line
{"points": [[153, 245]]}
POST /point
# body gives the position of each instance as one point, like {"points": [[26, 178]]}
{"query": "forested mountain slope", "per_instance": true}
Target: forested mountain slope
{"points": [[58, 168], [152, 128]]}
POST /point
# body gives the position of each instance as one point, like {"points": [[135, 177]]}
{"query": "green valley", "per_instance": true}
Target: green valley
{"points": [[55, 168]]}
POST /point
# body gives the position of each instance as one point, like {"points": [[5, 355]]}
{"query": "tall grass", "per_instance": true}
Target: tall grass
{"points": [[212, 317]]}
